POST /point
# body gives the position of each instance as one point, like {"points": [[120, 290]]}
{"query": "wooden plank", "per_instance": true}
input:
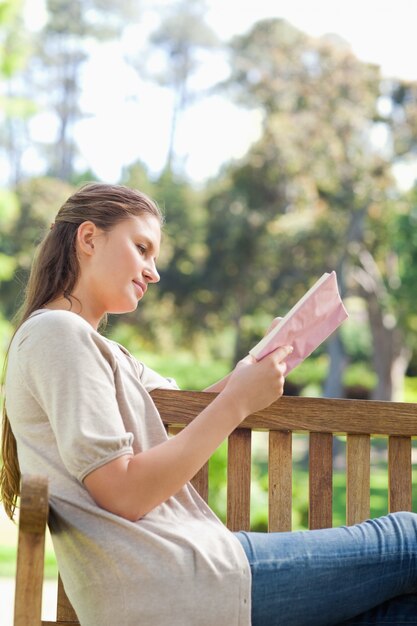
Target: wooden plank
{"points": [[399, 474], [280, 481], [201, 482], [64, 612], [31, 551], [358, 470], [298, 414], [47, 623], [320, 480], [238, 480]]}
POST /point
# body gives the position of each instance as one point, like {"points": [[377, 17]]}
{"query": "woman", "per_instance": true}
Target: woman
{"points": [[135, 543]]}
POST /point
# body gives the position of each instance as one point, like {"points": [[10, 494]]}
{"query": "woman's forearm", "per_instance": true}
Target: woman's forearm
{"points": [[133, 485]]}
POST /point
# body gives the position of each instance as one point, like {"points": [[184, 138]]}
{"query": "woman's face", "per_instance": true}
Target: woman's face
{"points": [[119, 265]]}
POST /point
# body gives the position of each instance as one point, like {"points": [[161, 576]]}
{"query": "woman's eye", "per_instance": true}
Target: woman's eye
{"points": [[141, 248]]}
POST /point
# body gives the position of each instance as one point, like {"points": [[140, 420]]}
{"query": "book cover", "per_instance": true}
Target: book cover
{"points": [[311, 320]]}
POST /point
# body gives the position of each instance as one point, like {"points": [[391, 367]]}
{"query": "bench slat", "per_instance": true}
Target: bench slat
{"points": [[298, 414], [399, 474], [358, 471], [65, 623], [65, 612], [238, 482], [31, 549], [320, 480], [280, 481], [201, 482]]}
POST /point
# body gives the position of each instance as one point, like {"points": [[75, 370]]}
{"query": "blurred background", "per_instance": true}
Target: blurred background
{"points": [[280, 140]]}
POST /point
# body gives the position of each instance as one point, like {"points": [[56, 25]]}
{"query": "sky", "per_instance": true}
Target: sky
{"points": [[130, 119]]}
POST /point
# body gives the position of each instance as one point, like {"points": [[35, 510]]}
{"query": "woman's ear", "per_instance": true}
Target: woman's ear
{"points": [[85, 237]]}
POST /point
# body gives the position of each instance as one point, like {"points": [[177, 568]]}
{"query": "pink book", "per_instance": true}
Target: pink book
{"points": [[314, 318]]}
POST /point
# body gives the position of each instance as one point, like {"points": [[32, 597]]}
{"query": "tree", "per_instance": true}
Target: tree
{"points": [[63, 47], [178, 46], [36, 203], [13, 49], [176, 304], [315, 179], [16, 104]]}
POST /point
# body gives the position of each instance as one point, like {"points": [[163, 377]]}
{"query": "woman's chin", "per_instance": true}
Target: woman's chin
{"points": [[128, 307]]}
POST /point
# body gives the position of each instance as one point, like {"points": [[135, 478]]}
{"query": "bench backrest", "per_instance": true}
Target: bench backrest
{"points": [[321, 419]]}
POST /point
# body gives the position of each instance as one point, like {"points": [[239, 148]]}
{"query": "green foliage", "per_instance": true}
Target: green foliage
{"points": [[18, 107], [137, 176], [13, 44], [313, 193], [405, 247], [8, 563], [312, 371], [82, 178], [182, 366], [9, 208], [7, 267], [6, 330], [359, 374], [217, 481], [355, 331], [177, 306], [188, 370], [298, 200], [410, 389], [25, 215]]}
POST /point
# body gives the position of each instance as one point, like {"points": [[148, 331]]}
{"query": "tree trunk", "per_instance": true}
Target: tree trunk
{"points": [[390, 357], [333, 386]]}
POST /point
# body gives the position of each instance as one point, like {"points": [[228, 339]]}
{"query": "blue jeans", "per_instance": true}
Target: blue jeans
{"points": [[358, 574]]}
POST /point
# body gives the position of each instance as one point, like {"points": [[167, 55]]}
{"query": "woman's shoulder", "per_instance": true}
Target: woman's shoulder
{"points": [[48, 325], [61, 337], [55, 318]]}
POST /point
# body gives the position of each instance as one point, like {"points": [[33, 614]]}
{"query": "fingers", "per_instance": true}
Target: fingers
{"points": [[274, 323], [278, 357], [256, 384], [281, 353]]}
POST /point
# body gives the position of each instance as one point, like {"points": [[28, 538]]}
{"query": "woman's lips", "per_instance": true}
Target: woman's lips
{"points": [[140, 287]]}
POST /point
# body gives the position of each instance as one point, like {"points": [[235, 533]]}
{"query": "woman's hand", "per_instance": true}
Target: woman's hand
{"points": [[254, 385], [221, 384]]}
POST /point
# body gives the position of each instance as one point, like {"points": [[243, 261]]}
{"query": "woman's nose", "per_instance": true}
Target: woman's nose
{"points": [[152, 274]]}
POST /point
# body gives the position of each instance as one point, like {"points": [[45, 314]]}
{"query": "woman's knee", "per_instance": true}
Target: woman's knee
{"points": [[405, 522], [406, 517]]}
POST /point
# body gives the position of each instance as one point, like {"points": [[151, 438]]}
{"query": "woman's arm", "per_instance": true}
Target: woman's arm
{"points": [[133, 485]]}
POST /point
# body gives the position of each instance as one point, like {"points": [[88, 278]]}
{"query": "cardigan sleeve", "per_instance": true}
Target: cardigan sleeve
{"points": [[69, 369]]}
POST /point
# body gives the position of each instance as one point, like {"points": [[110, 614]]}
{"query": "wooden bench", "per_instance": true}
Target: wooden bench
{"points": [[320, 419]]}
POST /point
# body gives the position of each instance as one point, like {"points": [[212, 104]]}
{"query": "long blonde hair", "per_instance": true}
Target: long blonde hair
{"points": [[54, 273]]}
